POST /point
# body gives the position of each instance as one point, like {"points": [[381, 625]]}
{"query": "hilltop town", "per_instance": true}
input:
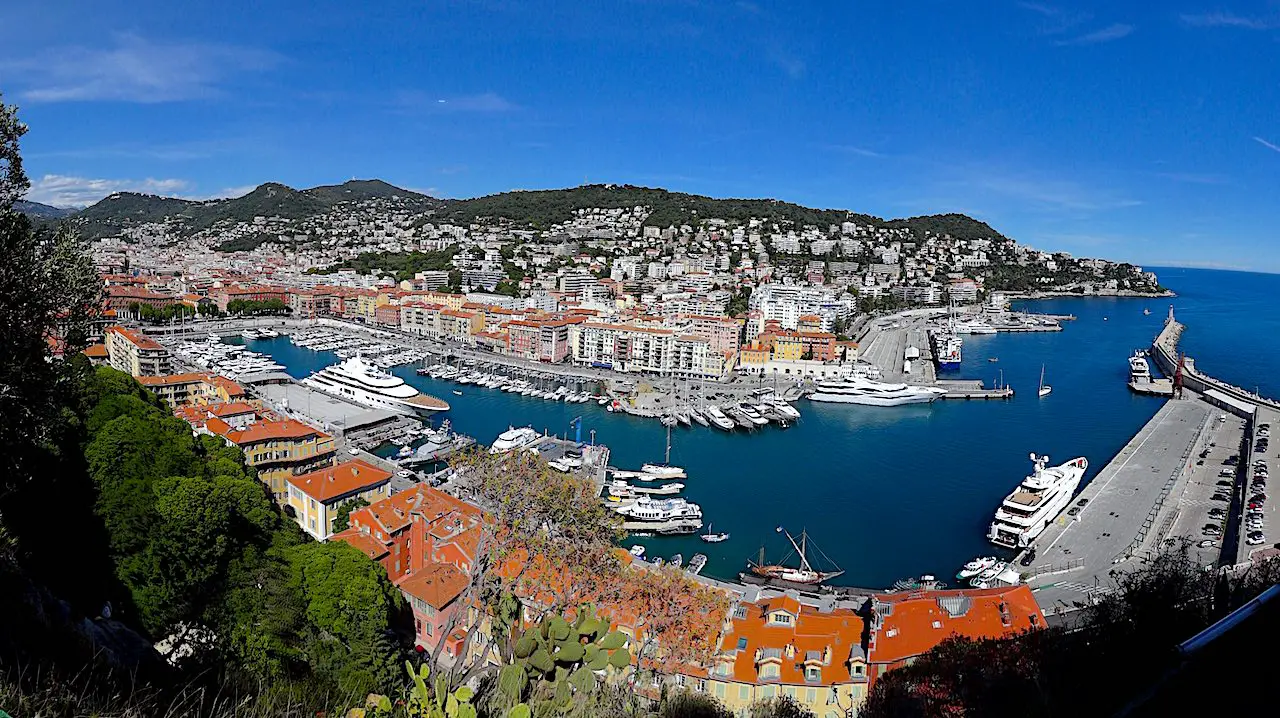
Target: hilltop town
{"points": [[716, 273]]}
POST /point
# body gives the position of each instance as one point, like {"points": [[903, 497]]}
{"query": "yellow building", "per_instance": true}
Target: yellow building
{"points": [[780, 647], [316, 497], [277, 448]]}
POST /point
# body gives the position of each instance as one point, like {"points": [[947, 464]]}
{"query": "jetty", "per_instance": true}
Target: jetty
{"points": [[1160, 485]]}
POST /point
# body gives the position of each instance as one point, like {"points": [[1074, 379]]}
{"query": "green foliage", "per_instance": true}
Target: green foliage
{"points": [[402, 266], [779, 707], [556, 660], [342, 521], [161, 314], [349, 604], [433, 700], [257, 307], [738, 303]]}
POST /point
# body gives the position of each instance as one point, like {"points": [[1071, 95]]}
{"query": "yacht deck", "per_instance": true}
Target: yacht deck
{"points": [[1027, 498]]}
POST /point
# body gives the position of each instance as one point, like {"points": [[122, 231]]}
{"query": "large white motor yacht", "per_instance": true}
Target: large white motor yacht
{"points": [[859, 390], [1139, 368], [514, 438], [1025, 513], [363, 383], [647, 509]]}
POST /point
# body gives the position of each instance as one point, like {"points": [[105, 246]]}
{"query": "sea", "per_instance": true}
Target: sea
{"points": [[892, 493]]}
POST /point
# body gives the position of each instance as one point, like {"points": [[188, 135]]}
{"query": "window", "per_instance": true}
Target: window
{"points": [[742, 643], [810, 696], [812, 674], [768, 671], [702, 685], [780, 618], [742, 693], [859, 669], [740, 611]]}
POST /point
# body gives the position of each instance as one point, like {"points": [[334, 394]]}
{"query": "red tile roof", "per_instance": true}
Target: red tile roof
{"points": [[917, 621], [341, 480], [437, 584]]}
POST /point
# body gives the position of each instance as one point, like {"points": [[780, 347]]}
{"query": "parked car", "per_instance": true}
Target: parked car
{"points": [[1207, 543], [1226, 483], [1082, 502], [1073, 511], [1256, 541], [1217, 513], [1211, 531]]}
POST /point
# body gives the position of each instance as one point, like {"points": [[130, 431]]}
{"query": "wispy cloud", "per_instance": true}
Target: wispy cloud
{"points": [[134, 69], [1055, 20], [1266, 144], [1193, 177], [853, 150], [1227, 19], [423, 101], [1041, 8], [71, 191], [176, 152], [1040, 193], [1109, 33]]}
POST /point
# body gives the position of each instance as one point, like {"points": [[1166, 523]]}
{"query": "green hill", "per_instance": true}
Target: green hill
{"points": [[360, 190]]}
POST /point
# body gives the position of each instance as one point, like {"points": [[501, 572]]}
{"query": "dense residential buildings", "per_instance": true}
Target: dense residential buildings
{"points": [[193, 388]]}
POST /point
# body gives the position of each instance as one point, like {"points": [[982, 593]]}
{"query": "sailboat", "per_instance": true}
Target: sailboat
{"points": [[714, 538], [1045, 389], [806, 573], [664, 470]]}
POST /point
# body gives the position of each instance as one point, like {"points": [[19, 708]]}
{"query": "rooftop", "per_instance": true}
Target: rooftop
{"points": [[338, 481]]}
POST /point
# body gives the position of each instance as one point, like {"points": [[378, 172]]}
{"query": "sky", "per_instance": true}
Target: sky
{"points": [[1146, 132]]}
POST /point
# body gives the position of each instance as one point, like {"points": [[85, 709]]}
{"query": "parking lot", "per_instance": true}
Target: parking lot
{"points": [[1206, 505], [1260, 523]]}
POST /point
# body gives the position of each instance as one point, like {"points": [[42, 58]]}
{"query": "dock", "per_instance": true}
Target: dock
{"points": [[1155, 387], [1122, 509]]}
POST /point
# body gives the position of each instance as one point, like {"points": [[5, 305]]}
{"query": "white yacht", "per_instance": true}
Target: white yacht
{"points": [[514, 438], [1139, 369], [1025, 513], [859, 390], [717, 418], [363, 383], [647, 509]]}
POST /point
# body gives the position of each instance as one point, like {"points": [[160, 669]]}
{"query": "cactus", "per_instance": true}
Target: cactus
{"points": [[427, 701], [564, 657]]}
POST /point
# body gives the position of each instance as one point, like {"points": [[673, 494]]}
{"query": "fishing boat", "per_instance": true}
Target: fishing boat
{"points": [[976, 566], [713, 537], [805, 573], [1044, 389]]}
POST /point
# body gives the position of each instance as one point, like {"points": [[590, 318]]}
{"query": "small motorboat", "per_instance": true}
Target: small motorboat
{"points": [[1146, 312], [987, 575], [993, 360], [637, 551], [457, 392], [676, 561], [405, 452], [976, 566]]}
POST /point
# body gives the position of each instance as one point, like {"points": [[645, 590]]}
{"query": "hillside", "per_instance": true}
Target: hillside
{"points": [[362, 190], [125, 209], [537, 209], [36, 210]]}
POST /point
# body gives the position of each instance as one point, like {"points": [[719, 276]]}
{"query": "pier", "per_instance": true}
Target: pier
{"points": [[1164, 483]]}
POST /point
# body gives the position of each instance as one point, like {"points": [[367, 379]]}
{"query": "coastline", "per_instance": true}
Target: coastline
{"points": [[1114, 293]]}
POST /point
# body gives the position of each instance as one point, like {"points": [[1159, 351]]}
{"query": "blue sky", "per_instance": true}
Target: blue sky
{"points": [[1147, 132]]}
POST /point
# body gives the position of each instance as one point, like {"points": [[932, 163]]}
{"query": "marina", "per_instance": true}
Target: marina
{"points": [[862, 442]]}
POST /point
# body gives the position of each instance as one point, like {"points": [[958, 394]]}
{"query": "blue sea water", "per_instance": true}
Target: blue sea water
{"points": [[891, 493]]}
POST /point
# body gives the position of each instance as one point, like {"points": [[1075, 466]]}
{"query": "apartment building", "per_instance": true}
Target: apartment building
{"points": [[133, 352], [316, 497]]}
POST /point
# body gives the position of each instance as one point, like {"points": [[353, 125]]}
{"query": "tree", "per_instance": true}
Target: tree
{"points": [[343, 519], [48, 295], [349, 606]]}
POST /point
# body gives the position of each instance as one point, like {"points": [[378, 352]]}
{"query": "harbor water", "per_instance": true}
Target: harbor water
{"points": [[888, 493]]}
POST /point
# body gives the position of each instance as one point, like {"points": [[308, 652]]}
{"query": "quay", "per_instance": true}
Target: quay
{"points": [[669, 527], [1163, 484], [972, 389]]}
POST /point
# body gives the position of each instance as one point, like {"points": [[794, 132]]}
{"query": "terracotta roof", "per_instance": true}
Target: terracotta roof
{"points": [[96, 351], [341, 480], [826, 640], [268, 430], [170, 379], [436, 584], [364, 543], [914, 622], [138, 339]]}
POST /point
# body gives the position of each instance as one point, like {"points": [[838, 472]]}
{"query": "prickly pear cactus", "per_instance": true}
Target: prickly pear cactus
{"points": [[566, 657]]}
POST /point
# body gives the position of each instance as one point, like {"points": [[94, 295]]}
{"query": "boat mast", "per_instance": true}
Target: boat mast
{"points": [[667, 460], [804, 538]]}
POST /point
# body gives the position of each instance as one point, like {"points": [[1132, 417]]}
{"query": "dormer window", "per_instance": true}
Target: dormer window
{"points": [[812, 674], [858, 669], [770, 671], [780, 618]]}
